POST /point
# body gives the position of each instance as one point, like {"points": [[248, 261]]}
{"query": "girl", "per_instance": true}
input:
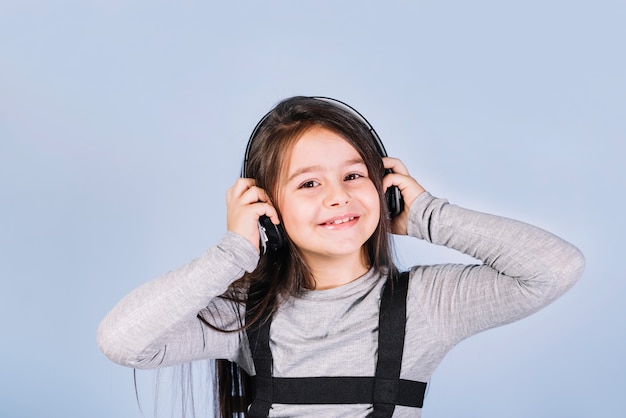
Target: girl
{"points": [[318, 315]]}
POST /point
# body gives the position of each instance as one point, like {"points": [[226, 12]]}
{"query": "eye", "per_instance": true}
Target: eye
{"points": [[353, 176], [309, 184]]}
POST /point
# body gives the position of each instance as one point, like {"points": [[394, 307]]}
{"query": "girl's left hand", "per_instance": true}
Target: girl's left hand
{"points": [[409, 188]]}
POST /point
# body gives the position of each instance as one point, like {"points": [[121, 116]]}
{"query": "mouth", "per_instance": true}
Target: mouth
{"points": [[340, 221]]}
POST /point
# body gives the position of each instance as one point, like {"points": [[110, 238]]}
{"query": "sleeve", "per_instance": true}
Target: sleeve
{"points": [[156, 325], [524, 268]]}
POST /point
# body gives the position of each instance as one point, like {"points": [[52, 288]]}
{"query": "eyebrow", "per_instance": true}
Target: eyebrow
{"points": [[311, 168]]}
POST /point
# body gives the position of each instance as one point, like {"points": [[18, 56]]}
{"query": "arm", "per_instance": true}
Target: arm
{"points": [[156, 325], [524, 267]]}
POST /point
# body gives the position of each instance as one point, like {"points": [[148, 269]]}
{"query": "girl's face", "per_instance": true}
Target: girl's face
{"points": [[328, 203]]}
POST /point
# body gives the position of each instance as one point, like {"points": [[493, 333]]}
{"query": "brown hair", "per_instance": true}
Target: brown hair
{"points": [[283, 272]]}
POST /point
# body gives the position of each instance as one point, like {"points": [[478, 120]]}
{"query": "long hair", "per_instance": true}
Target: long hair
{"points": [[283, 273]]}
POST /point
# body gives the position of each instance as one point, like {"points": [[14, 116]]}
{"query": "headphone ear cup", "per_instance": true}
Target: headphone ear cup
{"points": [[395, 202], [272, 236]]}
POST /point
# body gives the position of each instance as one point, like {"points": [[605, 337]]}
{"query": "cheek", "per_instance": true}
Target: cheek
{"points": [[295, 226], [377, 212], [374, 199], [288, 213]]}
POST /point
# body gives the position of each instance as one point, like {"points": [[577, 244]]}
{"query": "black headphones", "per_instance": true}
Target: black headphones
{"points": [[273, 236]]}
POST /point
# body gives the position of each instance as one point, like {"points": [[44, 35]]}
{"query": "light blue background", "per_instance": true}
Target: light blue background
{"points": [[122, 124]]}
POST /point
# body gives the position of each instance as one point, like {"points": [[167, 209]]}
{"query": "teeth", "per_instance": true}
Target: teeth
{"points": [[340, 221]]}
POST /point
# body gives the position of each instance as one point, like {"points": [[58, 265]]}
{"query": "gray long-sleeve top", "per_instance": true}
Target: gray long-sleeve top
{"points": [[334, 332]]}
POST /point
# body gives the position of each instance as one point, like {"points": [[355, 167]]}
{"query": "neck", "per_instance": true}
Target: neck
{"points": [[335, 272]]}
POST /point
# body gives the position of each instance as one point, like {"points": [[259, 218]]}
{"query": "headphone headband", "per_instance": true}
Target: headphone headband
{"points": [[379, 144], [337, 103]]}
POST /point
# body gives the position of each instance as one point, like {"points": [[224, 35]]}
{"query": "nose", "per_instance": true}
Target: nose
{"points": [[336, 194]]}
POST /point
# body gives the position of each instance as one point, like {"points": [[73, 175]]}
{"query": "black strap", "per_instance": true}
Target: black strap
{"points": [[391, 330], [258, 338], [339, 390], [384, 391]]}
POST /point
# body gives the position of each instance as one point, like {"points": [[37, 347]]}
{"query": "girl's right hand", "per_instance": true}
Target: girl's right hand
{"points": [[245, 203]]}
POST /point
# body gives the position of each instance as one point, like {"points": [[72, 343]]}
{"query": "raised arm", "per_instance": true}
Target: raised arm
{"points": [[523, 268], [156, 325]]}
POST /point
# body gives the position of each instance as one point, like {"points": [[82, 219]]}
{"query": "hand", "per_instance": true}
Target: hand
{"points": [[409, 188], [245, 203]]}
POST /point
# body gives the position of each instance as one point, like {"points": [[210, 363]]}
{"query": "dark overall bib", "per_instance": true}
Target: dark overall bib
{"points": [[384, 391]]}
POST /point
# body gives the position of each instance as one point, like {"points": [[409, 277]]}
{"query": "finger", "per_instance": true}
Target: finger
{"points": [[395, 165], [409, 187], [266, 209], [240, 186], [253, 195], [257, 199], [395, 179]]}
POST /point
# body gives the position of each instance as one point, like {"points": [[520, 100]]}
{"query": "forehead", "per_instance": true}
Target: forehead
{"points": [[320, 146]]}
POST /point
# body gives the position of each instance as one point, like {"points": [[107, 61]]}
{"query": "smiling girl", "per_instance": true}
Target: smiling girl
{"points": [[324, 323]]}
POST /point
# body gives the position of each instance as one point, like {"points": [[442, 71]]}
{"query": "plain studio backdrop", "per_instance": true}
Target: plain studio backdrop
{"points": [[122, 124]]}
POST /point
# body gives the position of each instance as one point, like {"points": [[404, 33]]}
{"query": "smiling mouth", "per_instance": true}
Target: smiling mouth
{"points": [[340, 221]]}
